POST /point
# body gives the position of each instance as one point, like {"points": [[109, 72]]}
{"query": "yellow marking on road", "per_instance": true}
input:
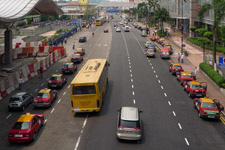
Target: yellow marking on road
{"points": [[222, 119], [170, 61]]}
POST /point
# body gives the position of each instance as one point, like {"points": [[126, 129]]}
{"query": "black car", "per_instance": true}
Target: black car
{"points": [[20, 101], [106, 30], [82, 39]]}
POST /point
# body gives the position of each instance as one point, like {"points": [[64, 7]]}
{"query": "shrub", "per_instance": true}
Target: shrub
{"points": [[215, 76], [201, 31], [192, 28], [21, 23], [208, 34], [161, 33]]}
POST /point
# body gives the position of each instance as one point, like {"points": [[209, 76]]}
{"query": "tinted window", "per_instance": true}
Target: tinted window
{"points": [[34, 120], [129, 124], [175, 66], [55, 78], [187, 76], [75, 56], [42, 95], [22, 125], [68, 65], [209, 105], [196, 86], [84, 90], [14, 99]]}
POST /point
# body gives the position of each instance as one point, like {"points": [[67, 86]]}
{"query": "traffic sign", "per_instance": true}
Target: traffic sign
{"points": [[222, 62]]}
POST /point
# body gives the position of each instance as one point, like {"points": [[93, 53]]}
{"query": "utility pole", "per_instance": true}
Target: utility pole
{"points": [[182, 26]]}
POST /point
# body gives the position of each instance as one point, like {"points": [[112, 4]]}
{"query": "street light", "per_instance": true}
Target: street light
{"points": [[182, 25]]}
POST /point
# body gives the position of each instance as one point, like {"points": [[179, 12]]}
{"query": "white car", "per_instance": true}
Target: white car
{"points": [[126, 29], [118, 29]]}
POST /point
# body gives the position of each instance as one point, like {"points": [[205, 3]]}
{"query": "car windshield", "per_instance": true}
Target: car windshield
{"points": [[14, 99], [196, 86], [165, 53], [176, 66], [150, 51], [187, 76], [209, 105], [42, 95], [129, 124], [81, 38], [75, 56], [79, 50], [22, 125], [55, 78], [68, 65]]}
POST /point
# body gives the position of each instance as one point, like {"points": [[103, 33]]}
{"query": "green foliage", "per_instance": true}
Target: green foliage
{"points": [[52, 18], [29, 20], [161, 15], [21, 23], [215, 76], [161, 33], [192, 28], [201, 31], [44, 17], [63, 17], [208, 34]]}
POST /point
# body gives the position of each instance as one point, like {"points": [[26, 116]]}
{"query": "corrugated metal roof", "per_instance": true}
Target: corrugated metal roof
{"points": [[14, 10]]}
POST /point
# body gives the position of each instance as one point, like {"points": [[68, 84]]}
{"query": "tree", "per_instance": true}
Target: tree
{"points": [[152, 5], [44, 17], [218, 7], [89, 12], [161, 15], [63, 17]]}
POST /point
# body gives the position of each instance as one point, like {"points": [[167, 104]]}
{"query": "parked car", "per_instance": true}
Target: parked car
{"points": [[195, 89], [185, 77], [154, 39], [80, 51], [150, 53], [25, 129], [126, 29], [143, 33], [69, 68], [175, 68], [208, 108], [20, 101], [129, 125], [106, 30], [76, 58], [82, 39], [147, 43], [45, 98], [57, 81]]}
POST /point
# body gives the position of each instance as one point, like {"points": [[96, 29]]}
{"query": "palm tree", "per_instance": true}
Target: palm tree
{"points": [[152, 4], [218, 7], [161, 15]]}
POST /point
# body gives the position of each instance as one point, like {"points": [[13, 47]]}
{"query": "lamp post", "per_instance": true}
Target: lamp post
{"points": [[182, 26]]}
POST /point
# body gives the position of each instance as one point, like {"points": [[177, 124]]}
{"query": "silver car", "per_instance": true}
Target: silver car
{"points": [[118, 29], [129, 124], [20, 101]]}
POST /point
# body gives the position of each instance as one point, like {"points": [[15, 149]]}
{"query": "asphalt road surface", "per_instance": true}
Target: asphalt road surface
{"points": [[169, 120]]}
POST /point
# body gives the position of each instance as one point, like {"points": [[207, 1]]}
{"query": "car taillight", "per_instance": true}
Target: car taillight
{"points": [[137, 128], [121, 127]]}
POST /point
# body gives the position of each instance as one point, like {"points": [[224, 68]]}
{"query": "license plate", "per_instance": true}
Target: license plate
{"points": [[67, 71], [18, 135], [198, 94], [53, 85], [129, 132], [211, 116]]}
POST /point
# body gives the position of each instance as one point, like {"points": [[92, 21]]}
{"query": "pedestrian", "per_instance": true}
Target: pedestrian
{"points": [[195, 72], [182, 58], [73, 45], [20, 82], [41, 73], [178, 57]]}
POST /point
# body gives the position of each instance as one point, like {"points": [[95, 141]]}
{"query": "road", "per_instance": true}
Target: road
{"points": [[169, 119]]}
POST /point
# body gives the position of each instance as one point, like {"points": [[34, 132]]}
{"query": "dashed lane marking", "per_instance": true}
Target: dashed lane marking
{"points": [[152, 67], [68, 86], [156, 76], [165, 94], [179, 126], [35, 90], [131, 80], [129, 66], [45, 121], [52, 110], [8, 116], [150, 64], [186, 141], [169, 103], [133, 93], [132, 86], [64, 93], [131, 75], [159, 81], [59, 100], [130, 71], [77, 144], [134, 101], [161, 87], [42, 84], [174, 113], [85, 121], [154, 71]]}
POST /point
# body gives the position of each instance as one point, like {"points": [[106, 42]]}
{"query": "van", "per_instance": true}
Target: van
{"points": [[129, 124]]}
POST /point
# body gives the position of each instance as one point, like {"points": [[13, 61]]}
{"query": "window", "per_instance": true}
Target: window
{"points": [[42, 95], [35, 119], [209, 105], [129, 124], [55, 78], [14, 99], [103, 77], [22, 125], [199, 102], [78, 90]]}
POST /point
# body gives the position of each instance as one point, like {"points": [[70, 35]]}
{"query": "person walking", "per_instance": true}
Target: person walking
{"points": [[93, 34], [178, 58], [195, 72], [182, 58], [73, 45], [41, 72], [20, 82]]}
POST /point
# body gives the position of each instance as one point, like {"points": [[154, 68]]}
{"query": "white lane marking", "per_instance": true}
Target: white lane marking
{"points": [[57, 70], [174, 113], [186, 141], [154, 71], [35, 90], [64, 93], [169, 103], [45, 121], [130, 70], [129, 66], [134, 101], [152, 67], [52, 110], [165, 94], [131, 80], [8, 116], [133, 93], [42, 84], [131, 75], [77, 144], [47, 79], [159, 81], [129, 63], [68, 87], [148, 60], [85, 121], [150, 64], [132, 86], [161, 87], [129, 60], [128, 57], [179, 126], [156, 76], [59, 100]]}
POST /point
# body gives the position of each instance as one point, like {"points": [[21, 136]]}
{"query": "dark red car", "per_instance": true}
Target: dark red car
{"points": [[175, 68], [154, 39], [69, 68], [25, 129], [80, 51], [195, 89], [45, 98], [57, 81], [76, 58], [185, 77]]}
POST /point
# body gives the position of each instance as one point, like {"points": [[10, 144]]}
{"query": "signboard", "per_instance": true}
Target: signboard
{"points": [[112, 11], [222, 62]]}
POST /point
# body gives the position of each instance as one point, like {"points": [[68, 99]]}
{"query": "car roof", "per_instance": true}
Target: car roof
{"points": [[186, 73], [45, 90], [129, 113], [207, 100], [150, 49], [25, 118], [57, 75], [164, 49], [69, 63], [76, 54], [79, 48], [19, 94], [194, 82]]}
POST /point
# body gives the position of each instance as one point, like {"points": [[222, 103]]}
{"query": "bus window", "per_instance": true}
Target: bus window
{"points": [[79, 90]]}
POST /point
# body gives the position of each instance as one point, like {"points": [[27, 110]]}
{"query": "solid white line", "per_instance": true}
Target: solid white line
{"points": [[36, 90], [64, 93], [132, 86], [131, 75], [156, 76], [161, 87], [133, 93], [77, 144], [187, 141], [165, 94], [159, 81], [68, 86], [42, 84], [130, 70], [174, 113], [179, 126], [134, 101], [45, 121], [8, 116], [169, 103], [52, 110], [154, 71], [59, 100], [131, 80]]}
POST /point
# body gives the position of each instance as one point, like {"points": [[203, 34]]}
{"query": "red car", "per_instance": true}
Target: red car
{"points": [[26, 128], [76, 58], [175, 68], [195, 89], [208, 108], [57, 81], [185, 77], [69, 68], [154, 39], [80, 51], [45, 98]]}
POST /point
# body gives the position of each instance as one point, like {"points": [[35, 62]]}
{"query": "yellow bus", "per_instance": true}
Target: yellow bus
{"points": [[88, 88], [98, 22]]}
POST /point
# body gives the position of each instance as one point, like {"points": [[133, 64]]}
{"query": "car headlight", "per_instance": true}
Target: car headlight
{"points": [[49, 81]]}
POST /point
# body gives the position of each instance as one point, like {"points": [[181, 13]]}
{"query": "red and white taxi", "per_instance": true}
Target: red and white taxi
{"points": [[45, 98]]}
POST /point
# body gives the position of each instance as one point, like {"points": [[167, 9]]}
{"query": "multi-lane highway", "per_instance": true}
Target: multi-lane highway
{"points": [[169, 119]]}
